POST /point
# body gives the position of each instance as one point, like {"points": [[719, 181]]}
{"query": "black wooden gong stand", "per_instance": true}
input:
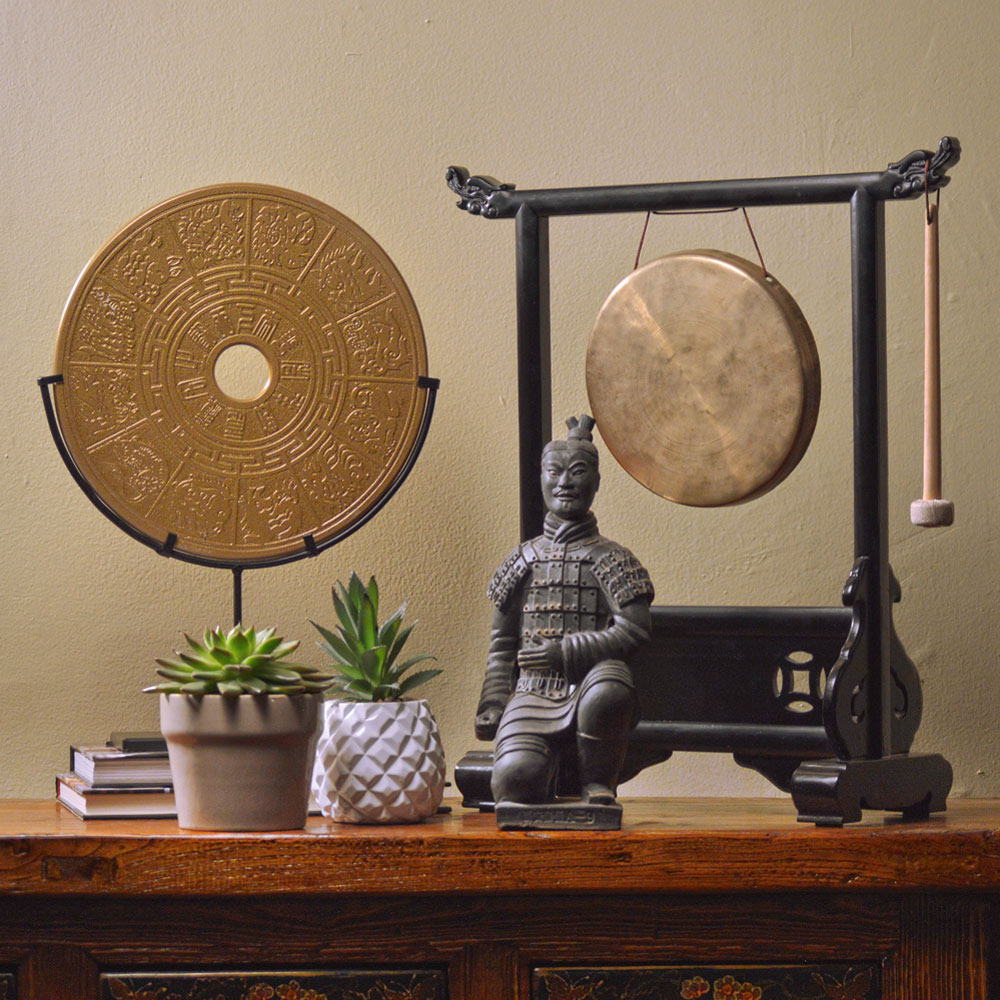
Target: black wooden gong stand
{"points": [[822, 701]]}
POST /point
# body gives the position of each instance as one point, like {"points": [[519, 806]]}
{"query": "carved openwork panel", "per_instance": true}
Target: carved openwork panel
{"points": [[166, 441], [799, 682], [747, 675]]}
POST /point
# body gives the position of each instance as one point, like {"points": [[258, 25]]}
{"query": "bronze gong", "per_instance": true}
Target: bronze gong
{"points": [[703, 378], [241, 462]]}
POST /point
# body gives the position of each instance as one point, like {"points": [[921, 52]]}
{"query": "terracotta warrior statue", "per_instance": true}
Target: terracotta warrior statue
{"points": [[569, 608]]}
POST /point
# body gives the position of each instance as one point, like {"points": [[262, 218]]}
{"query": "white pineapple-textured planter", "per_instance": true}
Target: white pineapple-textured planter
{"points": [[378, 762], [240, 763]]}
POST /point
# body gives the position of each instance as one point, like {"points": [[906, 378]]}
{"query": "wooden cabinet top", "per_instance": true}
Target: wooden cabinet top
{"points": [[665, 845]]}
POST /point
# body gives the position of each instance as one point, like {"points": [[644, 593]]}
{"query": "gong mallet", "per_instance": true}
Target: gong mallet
{"points": [[932, 511]]}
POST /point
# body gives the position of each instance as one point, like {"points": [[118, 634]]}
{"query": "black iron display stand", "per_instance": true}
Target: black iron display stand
{"points": [[310, 547], [848, 749]]}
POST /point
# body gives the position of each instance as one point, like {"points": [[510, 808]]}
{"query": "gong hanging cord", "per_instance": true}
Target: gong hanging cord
{"points": [[706, 211], [756, 246]]}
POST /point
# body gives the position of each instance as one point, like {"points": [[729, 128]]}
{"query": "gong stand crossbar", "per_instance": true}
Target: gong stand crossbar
{"points": [[165, 547], [840, 744]]}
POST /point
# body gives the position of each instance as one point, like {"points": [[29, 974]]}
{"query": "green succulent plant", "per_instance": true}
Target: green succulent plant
{"points": [[366, 654], [240, 661]]}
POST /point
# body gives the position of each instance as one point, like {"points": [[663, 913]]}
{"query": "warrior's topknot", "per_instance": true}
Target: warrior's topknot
{"points": [[580, 428], [579, 438]]}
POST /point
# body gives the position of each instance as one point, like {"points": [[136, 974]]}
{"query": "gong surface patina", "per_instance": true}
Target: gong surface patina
{"points": [[704, 379], [178, 439]]}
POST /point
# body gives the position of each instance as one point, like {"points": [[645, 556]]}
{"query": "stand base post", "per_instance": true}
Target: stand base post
{"points": [[833, 792], [237, 595]]}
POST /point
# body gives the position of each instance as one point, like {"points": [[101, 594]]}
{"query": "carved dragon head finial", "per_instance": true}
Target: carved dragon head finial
{"points": [[475, 193], [923, 169]]}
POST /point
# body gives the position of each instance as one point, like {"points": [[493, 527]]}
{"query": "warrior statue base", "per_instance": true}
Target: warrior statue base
{"points": [[569, 608], [560, 814]]}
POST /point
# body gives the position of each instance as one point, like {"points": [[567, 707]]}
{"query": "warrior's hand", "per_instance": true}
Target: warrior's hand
{"points": [[544, 654], [487, 721]]}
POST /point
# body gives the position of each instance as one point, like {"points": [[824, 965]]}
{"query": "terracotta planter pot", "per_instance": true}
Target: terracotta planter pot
{"points": [[378, 762], [240, 763]]}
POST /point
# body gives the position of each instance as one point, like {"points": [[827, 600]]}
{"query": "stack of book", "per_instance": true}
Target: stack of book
{"points": [[127, 778]]}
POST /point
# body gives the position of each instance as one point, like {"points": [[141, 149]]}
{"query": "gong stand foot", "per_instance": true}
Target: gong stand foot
{"points": [[473, 775], [834, 792]]}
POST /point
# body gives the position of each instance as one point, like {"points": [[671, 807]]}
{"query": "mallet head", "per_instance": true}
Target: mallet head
{"points": [[932, 513]]}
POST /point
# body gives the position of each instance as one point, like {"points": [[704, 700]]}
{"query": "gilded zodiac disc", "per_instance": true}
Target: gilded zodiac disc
{"points": [[243, 368], [704, 379]]}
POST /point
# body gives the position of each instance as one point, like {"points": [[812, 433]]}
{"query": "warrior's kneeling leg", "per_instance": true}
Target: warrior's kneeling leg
{"points": [[523, 768], [606, 707], [605, 716]]}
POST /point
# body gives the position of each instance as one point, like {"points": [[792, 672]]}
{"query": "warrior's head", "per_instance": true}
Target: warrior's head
{"points": [[570, 474]]}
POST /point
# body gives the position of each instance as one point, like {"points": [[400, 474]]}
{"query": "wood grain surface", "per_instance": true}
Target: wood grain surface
{"points": [[675, 845], [686, 883]]}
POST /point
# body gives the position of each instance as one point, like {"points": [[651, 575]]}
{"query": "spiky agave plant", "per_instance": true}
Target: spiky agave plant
{"points": [[366, 654], [240, 661]]}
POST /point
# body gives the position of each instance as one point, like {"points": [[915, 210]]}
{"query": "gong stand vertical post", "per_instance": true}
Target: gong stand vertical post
{"points": [[534, 376], [864, 762]]}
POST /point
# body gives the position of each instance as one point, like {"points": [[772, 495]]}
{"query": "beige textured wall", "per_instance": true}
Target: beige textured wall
{"points": [[110, 106]]}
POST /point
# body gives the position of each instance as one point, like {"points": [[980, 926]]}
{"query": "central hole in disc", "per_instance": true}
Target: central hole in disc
{"points": [[242, 372]]}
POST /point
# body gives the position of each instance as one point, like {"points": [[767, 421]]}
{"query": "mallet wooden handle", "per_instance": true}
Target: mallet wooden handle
{"points": [[932, 511]]}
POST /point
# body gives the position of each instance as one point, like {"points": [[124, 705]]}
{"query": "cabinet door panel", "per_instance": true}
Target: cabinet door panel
{"points": [[748, 982], [389, 984]]}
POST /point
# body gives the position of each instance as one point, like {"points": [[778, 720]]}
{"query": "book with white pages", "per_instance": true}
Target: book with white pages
{"points": [[87, 802], [109, 767]]}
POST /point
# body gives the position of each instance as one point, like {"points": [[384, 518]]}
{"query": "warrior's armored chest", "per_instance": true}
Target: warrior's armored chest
{"points": [[561, 594]]}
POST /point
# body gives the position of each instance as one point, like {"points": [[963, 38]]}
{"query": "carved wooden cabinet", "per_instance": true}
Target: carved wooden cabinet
{"points": [[691, 899]]}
